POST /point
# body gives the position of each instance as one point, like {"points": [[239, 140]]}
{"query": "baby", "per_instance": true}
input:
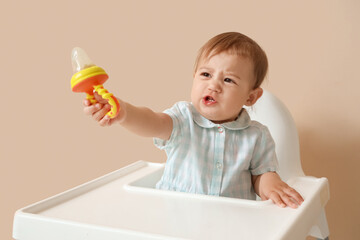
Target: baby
{"points": [[212, 145]]}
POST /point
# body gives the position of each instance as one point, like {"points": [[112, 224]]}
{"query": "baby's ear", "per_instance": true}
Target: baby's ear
{"points": [[254, 96]]}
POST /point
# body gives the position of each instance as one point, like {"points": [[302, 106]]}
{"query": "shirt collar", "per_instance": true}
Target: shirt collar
{"points": [[243, 120]]}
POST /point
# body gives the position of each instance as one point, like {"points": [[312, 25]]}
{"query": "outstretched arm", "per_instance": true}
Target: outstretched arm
{"points": [[270, 186], [140, 120]]}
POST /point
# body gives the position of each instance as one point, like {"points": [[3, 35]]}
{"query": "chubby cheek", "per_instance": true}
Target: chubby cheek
{"points": [[235, 104]]}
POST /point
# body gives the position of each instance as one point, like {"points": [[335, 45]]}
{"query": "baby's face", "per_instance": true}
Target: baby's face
{"points": [[222, 85]]}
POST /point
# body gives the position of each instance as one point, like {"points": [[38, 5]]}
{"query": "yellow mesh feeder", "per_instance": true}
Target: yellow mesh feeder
{"points": [[88, 78]]}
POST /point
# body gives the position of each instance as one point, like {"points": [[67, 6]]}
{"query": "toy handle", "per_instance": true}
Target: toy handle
{"points": [[112, 100], [91, 98]]}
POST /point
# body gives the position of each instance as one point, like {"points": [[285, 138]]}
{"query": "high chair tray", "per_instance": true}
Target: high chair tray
{"points": [[125, 205]]}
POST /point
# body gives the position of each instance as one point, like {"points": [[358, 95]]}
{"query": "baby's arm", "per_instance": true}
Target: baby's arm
{"points": [[140, 120], [270, 186]]}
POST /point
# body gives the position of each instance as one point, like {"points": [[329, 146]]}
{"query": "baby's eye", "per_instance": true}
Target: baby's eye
{"points": [[228, 80], [205, 74]]}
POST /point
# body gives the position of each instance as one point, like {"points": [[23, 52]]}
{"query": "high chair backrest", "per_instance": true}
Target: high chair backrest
{"points": [[271, 112]]}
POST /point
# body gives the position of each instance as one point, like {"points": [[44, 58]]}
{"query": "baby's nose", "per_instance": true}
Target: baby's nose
{"points": [[214, 85]]}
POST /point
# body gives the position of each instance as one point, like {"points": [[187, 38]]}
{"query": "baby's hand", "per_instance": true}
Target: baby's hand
{"points": [[270, 186], [99, 111]]}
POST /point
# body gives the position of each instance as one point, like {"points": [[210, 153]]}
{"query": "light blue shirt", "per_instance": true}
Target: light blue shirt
{"points": [[215, 159]]}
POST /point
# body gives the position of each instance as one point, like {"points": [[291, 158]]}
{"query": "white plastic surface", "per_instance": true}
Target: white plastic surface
{"points": [[123, 205]]}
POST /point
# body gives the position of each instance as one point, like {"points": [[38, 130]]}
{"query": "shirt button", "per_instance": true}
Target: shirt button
{"points": [[218, 165], [220, 129]]}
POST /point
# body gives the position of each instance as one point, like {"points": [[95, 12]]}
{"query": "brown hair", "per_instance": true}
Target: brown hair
{"points": [[241, 45]]}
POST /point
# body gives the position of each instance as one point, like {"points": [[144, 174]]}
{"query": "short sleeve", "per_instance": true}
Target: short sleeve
{"points": [[177, 115], [264, 156]]}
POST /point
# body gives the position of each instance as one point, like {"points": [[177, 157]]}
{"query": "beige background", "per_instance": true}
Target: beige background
{"points": [[148, 49]]}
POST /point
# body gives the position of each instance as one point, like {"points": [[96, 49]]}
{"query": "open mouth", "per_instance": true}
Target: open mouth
{"points": [[209, 100]]}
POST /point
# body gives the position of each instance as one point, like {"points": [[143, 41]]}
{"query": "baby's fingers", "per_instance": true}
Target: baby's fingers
{"points": [[294, 195], [289, 196], [90, 109], [99, 98], [275, 197], [288, 200], [105, 121], [282, 199], [86, 103], [102, 111]]}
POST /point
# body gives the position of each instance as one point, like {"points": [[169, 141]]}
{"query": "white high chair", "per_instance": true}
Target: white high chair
{"points": [[271, 112], [124, 204]]}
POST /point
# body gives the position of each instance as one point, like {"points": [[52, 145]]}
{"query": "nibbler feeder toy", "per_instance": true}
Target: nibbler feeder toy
{"points": [[89, 78]]}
